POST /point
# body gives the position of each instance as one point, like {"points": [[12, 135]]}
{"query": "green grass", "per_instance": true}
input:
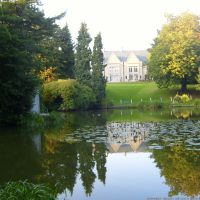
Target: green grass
{"points": [[141, 92]]}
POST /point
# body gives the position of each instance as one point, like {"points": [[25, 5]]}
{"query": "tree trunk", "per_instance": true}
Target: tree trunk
{"points": [[183, 85]]}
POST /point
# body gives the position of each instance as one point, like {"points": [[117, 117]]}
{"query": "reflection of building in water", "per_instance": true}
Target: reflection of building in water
{"points": [[127, 136]]}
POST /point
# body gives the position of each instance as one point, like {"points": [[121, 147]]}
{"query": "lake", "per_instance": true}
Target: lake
{"points": [[113, 154]]}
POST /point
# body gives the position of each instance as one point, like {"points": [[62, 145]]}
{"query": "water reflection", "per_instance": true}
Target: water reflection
{"points": [[19, 157], [179, 160], [180, 168], [109, 155], [127, 136]]}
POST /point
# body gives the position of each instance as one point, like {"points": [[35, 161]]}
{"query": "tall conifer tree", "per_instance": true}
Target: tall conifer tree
{"points": [[66, 57], [98, 80], [83, 56], [59, 53]]}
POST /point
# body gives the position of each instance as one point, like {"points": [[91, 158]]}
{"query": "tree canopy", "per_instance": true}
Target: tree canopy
{"points": [[22, 29], [175, 54]]}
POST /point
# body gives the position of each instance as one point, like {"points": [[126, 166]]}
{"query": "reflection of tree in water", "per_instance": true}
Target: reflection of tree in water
{"points": [[63, 161], [60, 165], [180, 167], [87, 163], [100, 158], [81, 119], [19, 157], [179, 157], [65, 157], [89, 154]]}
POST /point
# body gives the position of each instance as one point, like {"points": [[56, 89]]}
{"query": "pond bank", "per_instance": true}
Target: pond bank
{"points": [[150, 106]]}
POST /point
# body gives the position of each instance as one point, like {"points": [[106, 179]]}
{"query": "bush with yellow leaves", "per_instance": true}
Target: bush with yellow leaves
{"points": [[184, 98], [47, 75]]}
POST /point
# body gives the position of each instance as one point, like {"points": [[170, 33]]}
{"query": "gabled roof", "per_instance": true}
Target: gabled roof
{"points": [[129, 147], [132, 58], [123, 55], [113, 58]]}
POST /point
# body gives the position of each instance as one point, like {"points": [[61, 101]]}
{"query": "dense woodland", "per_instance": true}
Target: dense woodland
{"points": [[36, 55]]}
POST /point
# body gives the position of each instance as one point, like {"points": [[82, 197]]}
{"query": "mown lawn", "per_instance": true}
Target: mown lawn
{"points": [[130, 93]]}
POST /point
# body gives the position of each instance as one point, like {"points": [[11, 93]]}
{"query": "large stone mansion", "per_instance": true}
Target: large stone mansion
{"points": [[125, 66]]}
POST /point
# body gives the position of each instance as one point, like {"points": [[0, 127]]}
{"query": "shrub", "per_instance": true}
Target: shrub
{"points": [[197, 102], [177, 98], [67, 95], [23, 190], [184, 98]]}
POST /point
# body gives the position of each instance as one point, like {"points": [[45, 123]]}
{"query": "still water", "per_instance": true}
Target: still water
{"points": [[115, 155]]}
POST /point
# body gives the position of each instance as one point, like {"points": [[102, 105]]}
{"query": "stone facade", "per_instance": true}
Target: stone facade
{"points": [[125, 66]]}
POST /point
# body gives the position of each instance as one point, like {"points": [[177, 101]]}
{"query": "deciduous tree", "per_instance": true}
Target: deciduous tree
{"points": [[175, 55]]}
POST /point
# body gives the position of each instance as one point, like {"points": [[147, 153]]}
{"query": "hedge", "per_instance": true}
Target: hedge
{"points": [[66, 95]]}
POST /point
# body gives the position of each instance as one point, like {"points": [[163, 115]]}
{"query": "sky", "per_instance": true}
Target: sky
{"points": [[124, 24]]}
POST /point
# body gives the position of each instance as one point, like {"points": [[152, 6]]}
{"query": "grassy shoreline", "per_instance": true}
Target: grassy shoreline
{"points": [[147, 95]]}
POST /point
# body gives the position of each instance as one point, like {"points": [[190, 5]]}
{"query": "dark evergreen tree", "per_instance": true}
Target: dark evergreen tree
{"points": [[59, 54], [65, 66], [83, 56], [98, 80], [22, 28]]}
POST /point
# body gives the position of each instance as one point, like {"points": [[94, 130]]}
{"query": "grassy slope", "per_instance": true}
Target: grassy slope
{"points": [[141, 90]]}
